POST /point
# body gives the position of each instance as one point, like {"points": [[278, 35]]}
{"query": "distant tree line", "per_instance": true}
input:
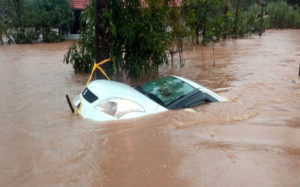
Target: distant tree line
{"points": [[281, 14], [23, 21], [140, 35]]}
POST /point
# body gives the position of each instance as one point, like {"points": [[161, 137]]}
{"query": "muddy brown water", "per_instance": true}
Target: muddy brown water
{"points": [[251, 140]]}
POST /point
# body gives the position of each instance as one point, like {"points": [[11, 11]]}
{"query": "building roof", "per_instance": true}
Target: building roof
{"points": [[79, 4]]}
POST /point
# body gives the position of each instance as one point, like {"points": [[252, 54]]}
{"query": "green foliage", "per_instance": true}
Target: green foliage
{"points": [[210, 18], [177, 28], [215, 19], [139, 37], [195, 12], [26, 19], [52, 36], [253, 17], [2, 28], [282, 15], [249, 20], [4, 18], [140, 34], [22, 35], [81, 54], [294, 2]]}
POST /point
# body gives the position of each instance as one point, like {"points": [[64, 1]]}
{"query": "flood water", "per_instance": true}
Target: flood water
{"points": [[251, 140]]}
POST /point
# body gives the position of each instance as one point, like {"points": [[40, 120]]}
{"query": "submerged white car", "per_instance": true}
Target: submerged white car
{"points": [[104, 100]]}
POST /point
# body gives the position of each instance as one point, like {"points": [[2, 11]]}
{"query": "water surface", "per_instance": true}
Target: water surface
{"points": [[251, 140]]}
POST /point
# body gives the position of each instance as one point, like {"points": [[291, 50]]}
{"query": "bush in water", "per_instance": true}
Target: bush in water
{"points": [[26, 19], [22, 35], [138, 36], [81, 53], [282, 15]]}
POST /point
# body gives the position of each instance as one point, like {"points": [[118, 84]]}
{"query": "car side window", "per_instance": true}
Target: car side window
{"points": [[196, 99]]}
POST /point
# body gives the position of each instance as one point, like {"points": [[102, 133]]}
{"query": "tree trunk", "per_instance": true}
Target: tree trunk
{"points": [[214, 53], [101, 41], [18, 6], [261, 20], [180, 53], [225, 7], [197, 35], [204, 23], [203, 34], [236, 18]]}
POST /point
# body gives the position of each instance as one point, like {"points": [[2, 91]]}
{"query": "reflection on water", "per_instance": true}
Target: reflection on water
{"points": [[253, 139]]}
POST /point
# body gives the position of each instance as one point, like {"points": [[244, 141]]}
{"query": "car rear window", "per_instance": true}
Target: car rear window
{"points": [[89, 96]]}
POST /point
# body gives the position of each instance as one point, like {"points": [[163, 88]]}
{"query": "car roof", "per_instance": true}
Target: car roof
{"points": [[117, 89], [200, 87]]}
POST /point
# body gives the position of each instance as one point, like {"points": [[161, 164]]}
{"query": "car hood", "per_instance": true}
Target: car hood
{"points": [[105, 89]]}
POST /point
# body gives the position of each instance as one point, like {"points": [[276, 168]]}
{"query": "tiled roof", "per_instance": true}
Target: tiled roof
{"points": [[79, 4]]}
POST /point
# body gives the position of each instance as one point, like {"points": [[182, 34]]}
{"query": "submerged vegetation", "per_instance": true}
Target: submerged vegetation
{"points": [[82, 53], [282, 15], [142, 33], [25, 21]]}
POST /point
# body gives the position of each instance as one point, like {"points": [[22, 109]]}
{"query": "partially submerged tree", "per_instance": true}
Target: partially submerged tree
{"points": [[236, 18], [176, 27], [138, 37], [140, 33], [282, 15], [208, 19], [81, 54], [102, 50]]}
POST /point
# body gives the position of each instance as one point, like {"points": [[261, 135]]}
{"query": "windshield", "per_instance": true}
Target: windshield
{"points": [[166, 90]]}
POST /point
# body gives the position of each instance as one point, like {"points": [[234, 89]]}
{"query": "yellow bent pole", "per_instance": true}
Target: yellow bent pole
{"points": [[90, 78], [103, 61], [103, 72], [97, 66]]}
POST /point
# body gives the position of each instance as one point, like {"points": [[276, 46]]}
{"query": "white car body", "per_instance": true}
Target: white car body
{"points": [[201, 88], [130, 102]]}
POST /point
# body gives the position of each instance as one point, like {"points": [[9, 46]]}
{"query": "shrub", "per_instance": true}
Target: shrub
{"points": [[254, 17], [138, 36], [81, 53], [22, 35], [52, 36], [2, 29], [282, 15], [25, 19]]}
